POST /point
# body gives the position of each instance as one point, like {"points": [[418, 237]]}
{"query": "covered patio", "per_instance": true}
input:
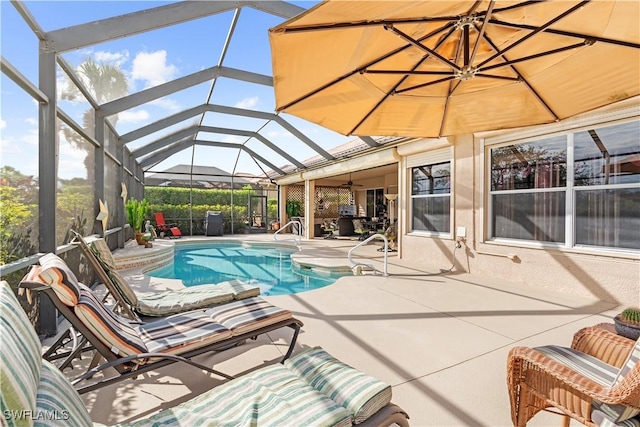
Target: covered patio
{"points": [[440, 340], [511, 235]]}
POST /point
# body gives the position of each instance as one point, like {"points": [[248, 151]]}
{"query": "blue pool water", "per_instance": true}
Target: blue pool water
{"points": [[268, 267]]}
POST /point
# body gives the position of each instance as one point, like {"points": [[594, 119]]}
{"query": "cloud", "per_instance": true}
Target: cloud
{"points": [[133, 116], [279, 134], [3, 124], [31, 121], [247, 103], [166, 103], [116, 58], [152, 68]]}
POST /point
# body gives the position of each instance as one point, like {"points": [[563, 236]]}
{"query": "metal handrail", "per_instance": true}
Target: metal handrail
{"points": [[367, 240], [298, 223]]}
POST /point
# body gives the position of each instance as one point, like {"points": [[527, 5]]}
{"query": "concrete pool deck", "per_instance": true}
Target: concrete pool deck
{"points": [[440, 340]]}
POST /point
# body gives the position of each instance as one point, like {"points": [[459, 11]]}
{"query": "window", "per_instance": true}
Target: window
{"points": [[376, 203], [431, 198], [589, 198]]}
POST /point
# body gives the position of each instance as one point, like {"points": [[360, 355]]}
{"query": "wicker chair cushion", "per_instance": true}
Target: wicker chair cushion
{"points": [[357, 392], [629, 364], [601, 419], [271, 396], [586, 365], [57, 274], [21, 363], [165, 303], [596, 370]]}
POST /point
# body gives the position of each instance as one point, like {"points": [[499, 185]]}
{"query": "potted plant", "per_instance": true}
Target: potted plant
{"points": [[136, 214], [294, 211], [628, 323]]}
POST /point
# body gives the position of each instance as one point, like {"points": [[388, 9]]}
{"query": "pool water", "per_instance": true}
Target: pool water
{"points": [[268, 267]]}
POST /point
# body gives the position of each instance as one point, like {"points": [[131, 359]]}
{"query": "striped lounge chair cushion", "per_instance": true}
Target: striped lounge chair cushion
{"points": [[112, 330], [21, 364], [103, 253], [270, 396], [57, 274], [164, 303], [58, 403], [181, 333], [596, 370], [247, 315], [359, 393]]}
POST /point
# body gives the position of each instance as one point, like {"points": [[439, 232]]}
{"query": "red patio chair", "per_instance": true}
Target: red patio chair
{"points": [[164, 229]]}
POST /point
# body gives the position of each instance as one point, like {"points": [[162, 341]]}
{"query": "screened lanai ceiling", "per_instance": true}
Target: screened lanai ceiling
{"points": [[183, 82]]}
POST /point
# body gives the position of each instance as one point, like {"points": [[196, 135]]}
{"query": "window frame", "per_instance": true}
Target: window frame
{"points": [[411, 197], [568, 129]]}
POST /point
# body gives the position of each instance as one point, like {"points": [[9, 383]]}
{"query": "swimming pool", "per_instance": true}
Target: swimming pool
{"points": [[269, 267]]}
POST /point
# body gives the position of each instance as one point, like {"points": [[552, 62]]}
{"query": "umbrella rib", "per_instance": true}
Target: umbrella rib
{"points": [[364, 67], [453, 85], [567, 33], [482, 29], [395, 87], [387, 95], [419, 45], [409, 72], [371, 23], [537, 55], [421, 85], [524, 81], [534, 32], [493, 76]]}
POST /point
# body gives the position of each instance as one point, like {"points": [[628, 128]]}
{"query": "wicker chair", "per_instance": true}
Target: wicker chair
{"points": [[538, 380]]}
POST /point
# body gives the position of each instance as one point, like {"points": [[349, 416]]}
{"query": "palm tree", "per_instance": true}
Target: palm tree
{"points": [[105, 82]]}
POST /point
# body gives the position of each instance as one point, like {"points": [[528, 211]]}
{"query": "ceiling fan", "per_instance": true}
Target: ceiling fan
{"points": [[350, 183]]}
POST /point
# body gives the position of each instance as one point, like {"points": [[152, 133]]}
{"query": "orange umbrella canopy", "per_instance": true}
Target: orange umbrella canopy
{"points": [[436, 68]]}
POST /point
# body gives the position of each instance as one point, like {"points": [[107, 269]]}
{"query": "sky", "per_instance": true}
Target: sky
{"points": [[149, 59]]}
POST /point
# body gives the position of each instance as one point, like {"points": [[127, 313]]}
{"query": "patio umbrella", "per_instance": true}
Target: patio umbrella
{"points": [[435, 68]]}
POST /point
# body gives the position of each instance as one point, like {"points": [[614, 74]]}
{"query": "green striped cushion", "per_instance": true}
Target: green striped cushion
{"points": [[164, 303], [123, 286], [629, 364], [270, 396], [247, 315], [58, 403], [182, 332], [114, 331], [103, 253], [239, 289], [20, 364], [361, 394], [615, 413], [596, 370], [584, 364], [57, 274], [601, 420]]}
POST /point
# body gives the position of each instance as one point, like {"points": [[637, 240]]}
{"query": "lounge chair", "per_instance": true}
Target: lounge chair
{"points": [[311, 388], [135, 348], [157, 303], [596, 381], [164, 229]]}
